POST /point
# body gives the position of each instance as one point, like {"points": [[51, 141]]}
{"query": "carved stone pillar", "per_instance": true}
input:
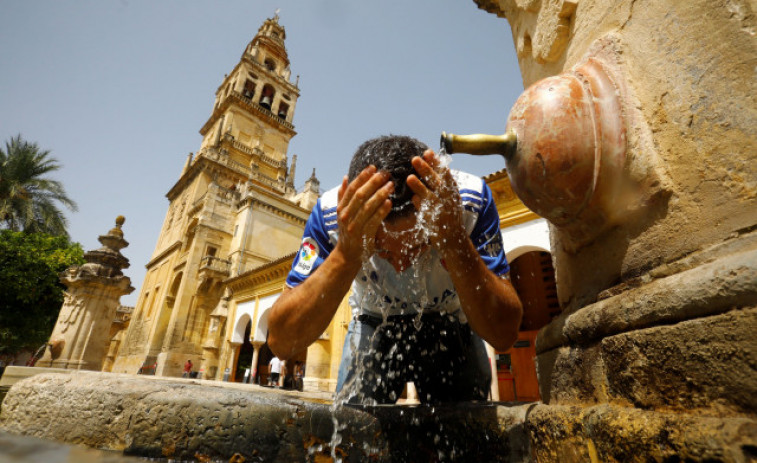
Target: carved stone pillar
{"points": [[230, 370], [256, 345], [214, 339], [82, 333]]}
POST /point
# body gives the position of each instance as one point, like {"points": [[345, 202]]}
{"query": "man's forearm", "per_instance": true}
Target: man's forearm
{"points": [[301, 314], [490, 303]]}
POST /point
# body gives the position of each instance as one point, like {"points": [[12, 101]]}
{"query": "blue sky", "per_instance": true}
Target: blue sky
{"points": [[118, 90]]}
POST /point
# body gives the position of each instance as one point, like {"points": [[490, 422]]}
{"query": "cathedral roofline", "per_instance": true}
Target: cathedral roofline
{"points": [[275, 269], [175, 245]]}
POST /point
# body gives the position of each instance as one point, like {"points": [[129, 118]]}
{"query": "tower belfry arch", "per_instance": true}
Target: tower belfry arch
{"points": [[233, 209]]}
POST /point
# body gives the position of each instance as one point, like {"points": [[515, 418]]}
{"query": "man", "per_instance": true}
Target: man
{"points": [[187, 369], [421, 247], [275, 369]]}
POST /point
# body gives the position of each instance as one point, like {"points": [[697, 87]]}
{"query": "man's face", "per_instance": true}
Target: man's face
{"points": [[400, 241]]}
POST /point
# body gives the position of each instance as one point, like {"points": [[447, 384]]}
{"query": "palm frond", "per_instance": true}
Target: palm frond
{"points": [[28, 199]]}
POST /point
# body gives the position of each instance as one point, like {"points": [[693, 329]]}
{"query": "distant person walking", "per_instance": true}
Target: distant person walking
{"points": [[275, 366], [299, 375], [187, 369]]}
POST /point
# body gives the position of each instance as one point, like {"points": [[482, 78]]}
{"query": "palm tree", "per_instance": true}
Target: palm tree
{"points": [[29, 200]]}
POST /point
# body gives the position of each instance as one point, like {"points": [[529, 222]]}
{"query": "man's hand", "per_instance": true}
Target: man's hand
{"points": [[489, 302], [363, 204], [438, 202]]}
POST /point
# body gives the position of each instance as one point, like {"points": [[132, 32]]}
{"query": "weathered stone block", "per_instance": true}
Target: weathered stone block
{"points": [[572, 375], [705, 363], [708, 363], [707, 283], [608, 434]]}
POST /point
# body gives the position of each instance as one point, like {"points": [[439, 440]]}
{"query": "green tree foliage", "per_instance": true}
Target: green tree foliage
{"points": [[29, 200], [31, 294]]}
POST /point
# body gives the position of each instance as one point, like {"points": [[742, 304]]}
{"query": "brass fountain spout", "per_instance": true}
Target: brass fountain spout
{"points": [[480, 144], [564, 147]]}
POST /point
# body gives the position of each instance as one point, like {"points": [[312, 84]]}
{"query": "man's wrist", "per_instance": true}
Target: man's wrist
{"points": [[345, 263], [455, 244]]}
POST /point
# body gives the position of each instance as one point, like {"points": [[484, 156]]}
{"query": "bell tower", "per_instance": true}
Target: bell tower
{"points": [[254, 107], [233, 209]]}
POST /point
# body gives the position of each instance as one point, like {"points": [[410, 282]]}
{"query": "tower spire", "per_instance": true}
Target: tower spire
{"points": [[292, 168]]}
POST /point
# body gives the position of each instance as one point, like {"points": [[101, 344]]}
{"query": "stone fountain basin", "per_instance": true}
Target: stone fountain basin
{"points": [[197, 420], [200, 420]]}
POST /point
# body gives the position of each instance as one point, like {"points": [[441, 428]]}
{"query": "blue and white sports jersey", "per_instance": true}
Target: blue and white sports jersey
{"points": [[379, 289]]}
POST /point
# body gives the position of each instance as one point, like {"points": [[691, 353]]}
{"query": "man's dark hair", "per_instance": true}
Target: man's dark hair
{"points": [[390, 153]]}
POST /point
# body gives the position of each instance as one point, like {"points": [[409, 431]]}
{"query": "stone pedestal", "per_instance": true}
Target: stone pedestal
{"points": [[81, 336]]}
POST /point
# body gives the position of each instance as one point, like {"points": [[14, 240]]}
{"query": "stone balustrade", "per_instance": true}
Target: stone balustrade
{"points": [[268, 114], [215, 264]]}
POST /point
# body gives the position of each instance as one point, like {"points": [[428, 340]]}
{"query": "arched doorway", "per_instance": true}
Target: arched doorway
{"points": [[240, 338], [243, 369], [533, 277], [264, 359]]}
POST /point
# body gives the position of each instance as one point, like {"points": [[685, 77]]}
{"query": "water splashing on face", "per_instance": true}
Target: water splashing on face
{"points": [[411, 251]]}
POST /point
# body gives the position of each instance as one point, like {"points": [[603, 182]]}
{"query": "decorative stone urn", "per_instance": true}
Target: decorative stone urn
{"points": [[80, 338]]}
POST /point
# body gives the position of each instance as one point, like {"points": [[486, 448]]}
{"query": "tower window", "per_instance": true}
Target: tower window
{"points": [[270, 64], [249, 89], [283, 110], [266, 99]]}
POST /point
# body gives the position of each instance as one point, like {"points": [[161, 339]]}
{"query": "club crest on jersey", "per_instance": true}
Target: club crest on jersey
{"points": [[307, 256]]}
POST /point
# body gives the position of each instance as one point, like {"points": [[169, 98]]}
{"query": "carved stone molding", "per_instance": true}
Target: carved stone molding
{"points": [[541, 29]]}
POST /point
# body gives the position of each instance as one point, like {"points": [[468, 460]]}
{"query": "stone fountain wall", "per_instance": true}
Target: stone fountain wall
{"points": [[660, 294], [686, 71]]}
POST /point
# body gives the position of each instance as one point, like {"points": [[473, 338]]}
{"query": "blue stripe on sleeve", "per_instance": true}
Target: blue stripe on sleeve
{"points": [[487, 237], [315, 229]]}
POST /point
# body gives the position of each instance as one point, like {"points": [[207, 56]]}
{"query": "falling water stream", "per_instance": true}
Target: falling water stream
{"points": [[419, 302]]}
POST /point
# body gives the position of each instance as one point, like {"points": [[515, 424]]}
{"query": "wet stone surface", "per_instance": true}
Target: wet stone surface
{"points": [[192, 421], [23, 449], [175, 420]]}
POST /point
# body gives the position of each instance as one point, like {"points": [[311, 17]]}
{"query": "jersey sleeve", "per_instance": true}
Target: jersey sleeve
{"points": [[486, 234], [314, 248]]}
